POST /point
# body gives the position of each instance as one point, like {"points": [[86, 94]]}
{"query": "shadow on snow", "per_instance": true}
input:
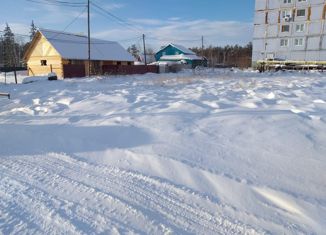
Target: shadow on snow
{"points": [[39, 139]]}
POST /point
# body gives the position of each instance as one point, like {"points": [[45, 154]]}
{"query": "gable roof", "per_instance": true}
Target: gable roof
{"points": [[73, 46], [185, 50]]}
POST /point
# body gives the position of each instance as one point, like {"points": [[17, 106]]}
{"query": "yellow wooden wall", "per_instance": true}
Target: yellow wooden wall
{"points": [[43, 50]]}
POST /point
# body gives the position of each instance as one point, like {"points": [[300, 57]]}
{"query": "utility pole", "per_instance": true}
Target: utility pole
{"points": [[89, 38], [202, 50], [144, 49]]}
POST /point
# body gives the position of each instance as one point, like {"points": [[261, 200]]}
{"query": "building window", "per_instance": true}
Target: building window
{"points": [[298, 41], [129, 63], [286, 14], [301, 12], [285, 28], [284, 42], [119, 63], [302, 0], [43, 63], [287, 1], [299, 28], [270, 56]]}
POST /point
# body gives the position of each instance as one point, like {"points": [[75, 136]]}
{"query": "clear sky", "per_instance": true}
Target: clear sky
{"points": [[162, 21]]}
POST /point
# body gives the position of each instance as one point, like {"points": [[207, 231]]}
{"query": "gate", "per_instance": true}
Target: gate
{"points": [[73, 70]]}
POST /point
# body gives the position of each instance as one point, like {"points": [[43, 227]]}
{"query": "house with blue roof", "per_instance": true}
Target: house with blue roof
{"points": [[180, 54]]}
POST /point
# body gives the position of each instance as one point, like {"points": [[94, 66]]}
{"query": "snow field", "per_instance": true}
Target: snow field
{"points": [[211, 152]]}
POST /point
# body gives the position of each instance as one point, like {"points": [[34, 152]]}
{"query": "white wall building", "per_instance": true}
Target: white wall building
{"points": [[292, 30]]}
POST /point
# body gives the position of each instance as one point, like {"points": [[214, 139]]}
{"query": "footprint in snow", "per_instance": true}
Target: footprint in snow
{"points": [[250, 105], [62, 104], [319, 101], [296, 111]]}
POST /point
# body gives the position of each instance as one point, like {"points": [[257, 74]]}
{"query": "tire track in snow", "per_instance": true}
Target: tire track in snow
{"points": [[75, 198], [102, 197], [27, 210]]}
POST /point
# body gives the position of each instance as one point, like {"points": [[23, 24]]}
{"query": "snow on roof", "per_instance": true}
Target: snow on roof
{"points": [[180, 57], [181, 48], [73, 46]]}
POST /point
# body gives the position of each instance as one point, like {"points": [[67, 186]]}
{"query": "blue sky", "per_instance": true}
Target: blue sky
{"points": [[163, 21]]}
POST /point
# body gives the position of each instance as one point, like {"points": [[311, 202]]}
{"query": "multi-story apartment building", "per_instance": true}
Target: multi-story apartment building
{"points": [[290, 30]]}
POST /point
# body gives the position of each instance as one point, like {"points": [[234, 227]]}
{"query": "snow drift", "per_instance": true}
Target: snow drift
{"points": [[210, 152]]}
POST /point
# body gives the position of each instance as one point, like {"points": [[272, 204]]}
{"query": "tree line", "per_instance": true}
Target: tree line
{"points": [[12, 47], [217, 56], [236, 56]]}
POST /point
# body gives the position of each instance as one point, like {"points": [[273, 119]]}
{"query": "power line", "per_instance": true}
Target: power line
{"points": [[65, 2], [174, 39], [113, 15], [105, 13], [110, 42], [99, 42], [73, 21], [101, 10], [135, 28], [58, 3], [120, 23], [64, 30]]}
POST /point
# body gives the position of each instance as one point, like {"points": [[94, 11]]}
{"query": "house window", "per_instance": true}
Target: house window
{"points": [[298, 41], [299, 28], [284, 42], [43, 63], [301, 12], [285, 28]]}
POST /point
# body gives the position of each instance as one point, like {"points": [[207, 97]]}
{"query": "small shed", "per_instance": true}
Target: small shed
{"points": [[66, 54], [178, 53]]}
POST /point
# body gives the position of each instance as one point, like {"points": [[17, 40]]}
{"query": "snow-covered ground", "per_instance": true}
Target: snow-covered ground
{"points": [[217, 152]]}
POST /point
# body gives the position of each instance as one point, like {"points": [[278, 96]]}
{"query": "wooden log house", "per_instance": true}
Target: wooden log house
{"points": [[66, 54]]}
